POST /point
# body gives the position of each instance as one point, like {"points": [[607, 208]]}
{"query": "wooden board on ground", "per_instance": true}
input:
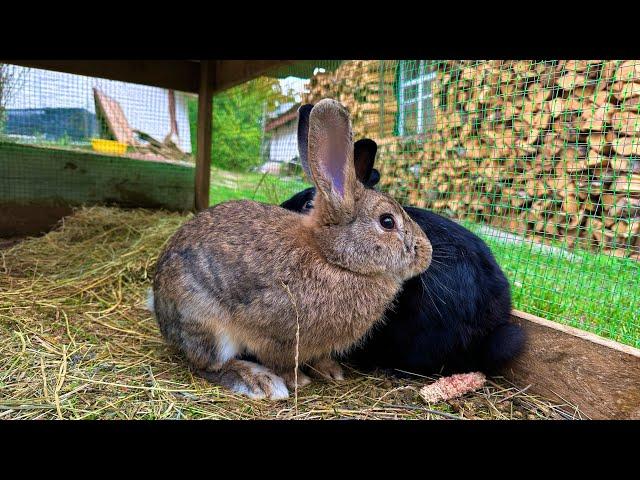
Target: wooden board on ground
{"points": [[39, 185], [114, 116], [599, 376], [18, 221]]}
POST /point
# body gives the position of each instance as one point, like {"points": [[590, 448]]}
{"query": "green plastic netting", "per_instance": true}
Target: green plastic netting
{"points": [[541, 158]]}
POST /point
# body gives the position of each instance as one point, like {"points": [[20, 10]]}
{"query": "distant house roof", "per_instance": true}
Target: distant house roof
{"points": [[282, 115], [280, 109]]}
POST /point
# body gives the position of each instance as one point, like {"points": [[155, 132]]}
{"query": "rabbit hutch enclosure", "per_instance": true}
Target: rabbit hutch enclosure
{"points": [[101, 161]]}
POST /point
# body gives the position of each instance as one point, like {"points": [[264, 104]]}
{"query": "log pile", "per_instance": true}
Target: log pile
{"points": [[365, 87], [545, 149]]}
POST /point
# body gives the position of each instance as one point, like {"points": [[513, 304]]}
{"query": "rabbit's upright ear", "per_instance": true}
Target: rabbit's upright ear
{"points": [[303, 137], [364, 156], [331, 161]]}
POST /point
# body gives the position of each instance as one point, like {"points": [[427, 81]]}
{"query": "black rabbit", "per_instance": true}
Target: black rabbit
{"points": [[455, 316]]}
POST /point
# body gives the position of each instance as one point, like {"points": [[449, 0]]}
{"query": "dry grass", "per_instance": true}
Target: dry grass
{"points": [[76, 342]]}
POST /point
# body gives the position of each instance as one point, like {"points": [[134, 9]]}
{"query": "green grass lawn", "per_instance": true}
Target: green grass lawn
{"points": [[582, 289], [586, 290], [227, 185]]}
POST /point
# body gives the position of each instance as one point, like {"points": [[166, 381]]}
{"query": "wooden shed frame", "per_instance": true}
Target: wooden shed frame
{"points": [[601, 377], [204, 77]]}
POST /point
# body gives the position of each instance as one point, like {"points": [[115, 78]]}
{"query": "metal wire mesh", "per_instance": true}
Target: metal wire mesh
{"points": [[72, 139], [540, 158]]}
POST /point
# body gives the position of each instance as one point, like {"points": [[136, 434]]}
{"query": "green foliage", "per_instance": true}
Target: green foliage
{"points": [[237, 122], [192, 106]]}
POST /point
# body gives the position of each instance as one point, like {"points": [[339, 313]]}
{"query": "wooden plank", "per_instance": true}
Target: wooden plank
{"points": [[114, 116], [59, 177], [600, 376], [182, 75], [25, 220], [203, 153], [229, 73], [173, 134]]}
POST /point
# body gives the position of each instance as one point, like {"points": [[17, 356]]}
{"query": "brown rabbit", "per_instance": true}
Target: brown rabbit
{"points": [[242, 276]]}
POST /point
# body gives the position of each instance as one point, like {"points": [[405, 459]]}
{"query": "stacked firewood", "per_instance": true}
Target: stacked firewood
{"points": [[365, 87], [544, 148], [549, 149]]}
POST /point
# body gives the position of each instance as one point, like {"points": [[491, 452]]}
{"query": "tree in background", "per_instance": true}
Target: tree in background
{"points": [[9, 82], [238, 115]]}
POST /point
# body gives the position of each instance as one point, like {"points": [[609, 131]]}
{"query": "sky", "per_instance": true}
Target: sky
{"points": [[296, 84]]}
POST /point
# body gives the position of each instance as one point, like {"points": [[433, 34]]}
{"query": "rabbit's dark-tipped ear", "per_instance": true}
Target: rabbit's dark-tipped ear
{"points": [[303, 137], [331, 161], [364, 156]]}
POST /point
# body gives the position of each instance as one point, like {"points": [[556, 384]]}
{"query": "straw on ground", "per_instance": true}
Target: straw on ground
{"points": [[76, 341]]}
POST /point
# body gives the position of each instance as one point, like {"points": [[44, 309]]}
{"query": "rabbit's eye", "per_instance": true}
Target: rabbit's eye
{"points": [[309, 204], [387, 221]]}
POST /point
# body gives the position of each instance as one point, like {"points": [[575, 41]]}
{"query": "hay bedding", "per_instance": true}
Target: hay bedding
{"points": [[77, 342]]}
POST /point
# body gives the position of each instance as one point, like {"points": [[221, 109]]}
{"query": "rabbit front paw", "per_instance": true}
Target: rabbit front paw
{"points": [[327, 368], [290, 379]]}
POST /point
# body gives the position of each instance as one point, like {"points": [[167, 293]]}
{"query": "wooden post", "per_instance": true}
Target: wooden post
{"points": [[203, 154]]}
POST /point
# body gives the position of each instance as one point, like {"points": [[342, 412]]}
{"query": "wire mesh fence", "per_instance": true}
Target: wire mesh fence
{"points": [[540, 158], [72, 139]]}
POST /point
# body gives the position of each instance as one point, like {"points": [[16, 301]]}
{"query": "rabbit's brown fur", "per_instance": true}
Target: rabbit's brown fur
{"points": [[240, 276]]}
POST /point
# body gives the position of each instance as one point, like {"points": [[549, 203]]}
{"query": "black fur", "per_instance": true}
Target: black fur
{"points": [[303, 132], [455, 317]]}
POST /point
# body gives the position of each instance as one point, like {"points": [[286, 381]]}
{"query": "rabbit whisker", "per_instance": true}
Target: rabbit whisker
{"points": [[433, 260], [426, 289], [443, 285], [428, 273]]}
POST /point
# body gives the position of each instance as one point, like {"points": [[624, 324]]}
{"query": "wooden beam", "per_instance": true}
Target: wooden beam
{"points": [[182, 75], [599, 376], [84, 177], [203, 153], [230, 73]]}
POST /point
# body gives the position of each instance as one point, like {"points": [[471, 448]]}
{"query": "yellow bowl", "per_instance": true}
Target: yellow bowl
{"points": [[108, 146]]}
